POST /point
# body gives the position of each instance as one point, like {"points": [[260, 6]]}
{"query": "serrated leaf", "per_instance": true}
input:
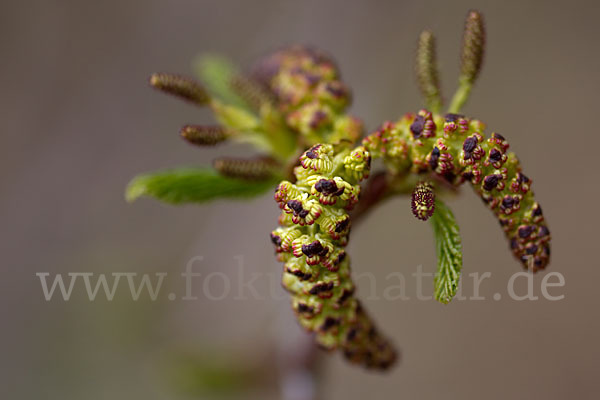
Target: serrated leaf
{"points": [[216, 74], [449, 253], [193, 185]]}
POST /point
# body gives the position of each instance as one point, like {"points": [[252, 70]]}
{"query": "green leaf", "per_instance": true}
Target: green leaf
{"points": [[193, 185], [235, 117], [217, 73], [212, 377], [278, 134], [246, 125], [449, 253]]}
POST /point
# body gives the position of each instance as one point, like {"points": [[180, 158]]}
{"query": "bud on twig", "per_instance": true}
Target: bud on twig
{"points": [[423, 201], [180, 86], [473, 46], [260, 168], [203, 135], [471, 59], [427, 72]]}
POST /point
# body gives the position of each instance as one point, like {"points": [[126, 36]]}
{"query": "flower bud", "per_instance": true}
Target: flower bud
{"points": [[176, 85], [260, 168], [203, 135], [473, 46], [427, 72]]}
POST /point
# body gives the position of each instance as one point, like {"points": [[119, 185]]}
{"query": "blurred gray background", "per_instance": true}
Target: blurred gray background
{"points": [[78, 121]]}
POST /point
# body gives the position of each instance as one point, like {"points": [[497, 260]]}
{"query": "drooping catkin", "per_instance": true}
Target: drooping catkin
{"points": [[454, 148], [310, 241]]}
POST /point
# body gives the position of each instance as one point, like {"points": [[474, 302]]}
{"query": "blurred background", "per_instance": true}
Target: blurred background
{"points": [[79, 121]]}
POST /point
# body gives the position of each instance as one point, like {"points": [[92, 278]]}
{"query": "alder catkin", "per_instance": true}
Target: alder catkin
{"points": [[314, 231], [454, 148]]}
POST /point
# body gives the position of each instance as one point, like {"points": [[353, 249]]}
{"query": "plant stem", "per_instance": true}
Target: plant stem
{"points": [[460, 96]]}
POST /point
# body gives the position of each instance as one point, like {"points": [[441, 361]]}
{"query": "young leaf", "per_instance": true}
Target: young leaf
{"points": [[218, 74], [248, 127], [193, 185], [449, 253], [234, 117]]}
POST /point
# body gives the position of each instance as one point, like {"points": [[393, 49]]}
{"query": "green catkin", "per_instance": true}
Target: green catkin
{"points": [[454, 148], [311, 240], [307, 88]]}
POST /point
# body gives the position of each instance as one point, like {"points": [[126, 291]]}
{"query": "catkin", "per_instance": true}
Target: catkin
{"points": [[454, 148], [310, 241]]}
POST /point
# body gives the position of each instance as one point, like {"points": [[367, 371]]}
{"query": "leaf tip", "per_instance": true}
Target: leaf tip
{"points": [[135, 189]]}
